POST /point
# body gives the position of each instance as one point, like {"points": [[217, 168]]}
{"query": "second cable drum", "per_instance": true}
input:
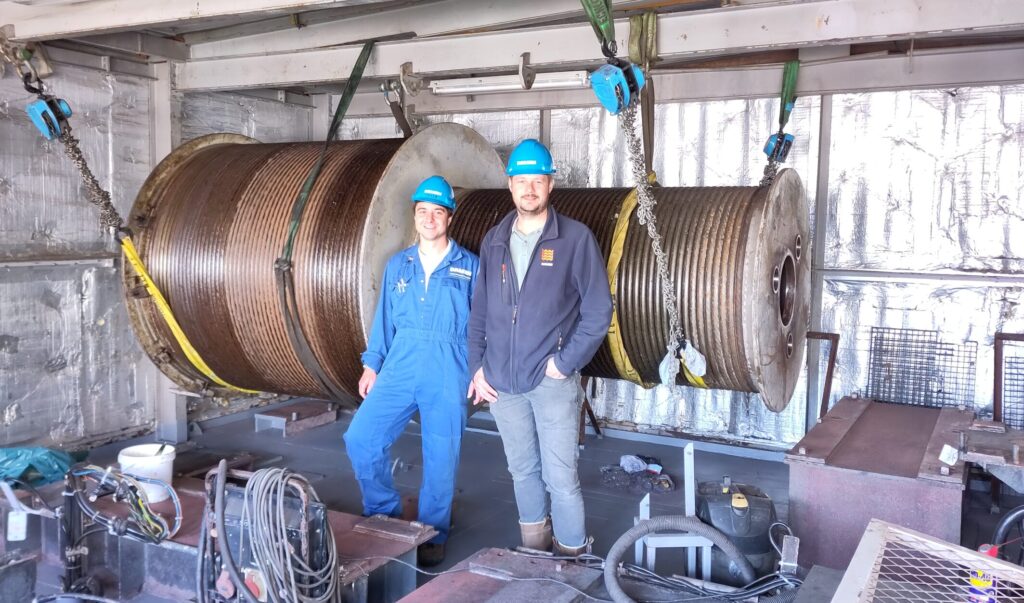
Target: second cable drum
{"points": [[736, 256]]}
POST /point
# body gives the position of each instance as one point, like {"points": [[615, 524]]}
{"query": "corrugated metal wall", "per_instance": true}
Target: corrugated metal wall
{"points": [[264, 120], [927, 187], [68, 358]]}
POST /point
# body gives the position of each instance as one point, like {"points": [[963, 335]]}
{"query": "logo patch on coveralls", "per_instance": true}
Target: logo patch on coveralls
{"points": [[460, 272], [401, 285], [547, 257]]}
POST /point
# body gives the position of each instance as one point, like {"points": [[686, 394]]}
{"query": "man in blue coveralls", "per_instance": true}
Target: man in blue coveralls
{"points": [[541, 311], [416, 359]]}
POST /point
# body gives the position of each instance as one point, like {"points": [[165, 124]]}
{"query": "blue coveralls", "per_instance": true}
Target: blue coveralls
{"points": [[418, 348]]}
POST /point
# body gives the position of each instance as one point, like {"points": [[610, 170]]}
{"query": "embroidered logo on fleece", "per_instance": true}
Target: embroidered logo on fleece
{"points": [[547, 257], [460, 272]]}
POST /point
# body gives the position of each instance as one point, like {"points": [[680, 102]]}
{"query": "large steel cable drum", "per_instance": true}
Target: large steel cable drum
{"points": [[737, 256], [211, 220]]}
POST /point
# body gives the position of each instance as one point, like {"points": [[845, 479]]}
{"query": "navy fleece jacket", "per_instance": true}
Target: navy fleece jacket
{"points": [[563, 308]]}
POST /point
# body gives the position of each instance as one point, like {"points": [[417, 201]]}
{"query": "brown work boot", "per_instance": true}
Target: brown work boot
{"points": [[537, 535], [429, 554], [573, 551]]}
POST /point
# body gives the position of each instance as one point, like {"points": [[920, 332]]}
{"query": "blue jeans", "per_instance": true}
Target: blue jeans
{"points": [[439, 396], [539, 430]]}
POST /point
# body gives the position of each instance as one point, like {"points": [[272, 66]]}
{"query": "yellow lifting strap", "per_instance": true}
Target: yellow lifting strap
{"points": [[693, 379], [172, 323], [620, 357]]}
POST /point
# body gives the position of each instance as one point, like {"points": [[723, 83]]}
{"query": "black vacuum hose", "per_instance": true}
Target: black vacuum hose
{"points": [[660, 524], [786, 596], [1003, 528]]}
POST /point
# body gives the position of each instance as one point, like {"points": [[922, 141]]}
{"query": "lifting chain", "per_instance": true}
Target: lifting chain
{"points": [[11, 54], [645, 215], [770, 171], [109, 217]]}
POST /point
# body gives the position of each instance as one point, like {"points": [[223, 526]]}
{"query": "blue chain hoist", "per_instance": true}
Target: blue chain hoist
{"points": [[779, 144], [618, 82]]}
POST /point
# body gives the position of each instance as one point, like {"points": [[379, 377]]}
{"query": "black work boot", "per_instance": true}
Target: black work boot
{"points": [[430, 554]]}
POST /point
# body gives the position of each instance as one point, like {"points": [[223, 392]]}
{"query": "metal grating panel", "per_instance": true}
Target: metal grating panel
{"points": [[1013, 392], [894, 564], [911, 366]]}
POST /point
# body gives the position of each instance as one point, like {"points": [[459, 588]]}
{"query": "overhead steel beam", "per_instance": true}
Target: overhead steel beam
{"points": [[281, 96], [91, 60], [424, 19], [141, 45], [680, 35], [301, 21], [104, 16], [931, 69]]}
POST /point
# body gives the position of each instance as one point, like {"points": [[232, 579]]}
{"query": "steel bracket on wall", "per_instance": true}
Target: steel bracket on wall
{"points": [[399, 109], [526, 73], [411, 84]]}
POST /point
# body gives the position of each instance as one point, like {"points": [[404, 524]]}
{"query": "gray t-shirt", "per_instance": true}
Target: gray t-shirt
{"points": [[522, 246]]}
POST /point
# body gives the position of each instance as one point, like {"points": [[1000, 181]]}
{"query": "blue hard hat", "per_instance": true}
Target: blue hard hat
{"points": [[530, 157], [435, 190]]}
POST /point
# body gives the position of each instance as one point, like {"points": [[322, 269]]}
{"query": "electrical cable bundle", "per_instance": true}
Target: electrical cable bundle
{"points": [[90, 482], [285, 571], [289, 577], [758, 587], [761, 586]]}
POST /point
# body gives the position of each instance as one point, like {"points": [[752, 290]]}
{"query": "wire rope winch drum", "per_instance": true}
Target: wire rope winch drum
{"points": [[739, 260], [211, 220]]}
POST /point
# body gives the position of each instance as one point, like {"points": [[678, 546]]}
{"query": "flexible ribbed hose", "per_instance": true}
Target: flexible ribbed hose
{"points": [[1003, 528], [786, 596], [682, 523]]}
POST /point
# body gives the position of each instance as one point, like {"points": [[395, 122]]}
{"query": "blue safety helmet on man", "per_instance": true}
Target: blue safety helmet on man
{"points": [[530, 157], [435, 190]]}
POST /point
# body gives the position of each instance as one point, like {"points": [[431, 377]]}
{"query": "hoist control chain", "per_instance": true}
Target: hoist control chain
{"points": [[645, 215], [109, 217]]}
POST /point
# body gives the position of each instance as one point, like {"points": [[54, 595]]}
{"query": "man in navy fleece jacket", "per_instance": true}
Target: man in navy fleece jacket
{"points": [[540, 310]]}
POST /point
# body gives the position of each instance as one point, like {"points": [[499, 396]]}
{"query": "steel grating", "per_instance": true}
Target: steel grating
{"points": [[912, 366], [1013, 392], [894, 564]]}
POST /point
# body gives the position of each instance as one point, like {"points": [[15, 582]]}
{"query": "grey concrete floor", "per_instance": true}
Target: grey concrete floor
{"points": [[485, 511]]}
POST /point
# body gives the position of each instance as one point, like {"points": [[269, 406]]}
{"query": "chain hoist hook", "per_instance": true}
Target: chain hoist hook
{"points": [[609, 48], [28, 76]]}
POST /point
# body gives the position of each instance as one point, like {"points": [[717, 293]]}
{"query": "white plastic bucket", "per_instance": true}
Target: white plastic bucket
{"points": [[143, 460]]}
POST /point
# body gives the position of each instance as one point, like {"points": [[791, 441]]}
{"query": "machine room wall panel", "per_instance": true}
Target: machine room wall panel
{"points": [[928, 180], [264, 120], [67, 354], [43, 207]]}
